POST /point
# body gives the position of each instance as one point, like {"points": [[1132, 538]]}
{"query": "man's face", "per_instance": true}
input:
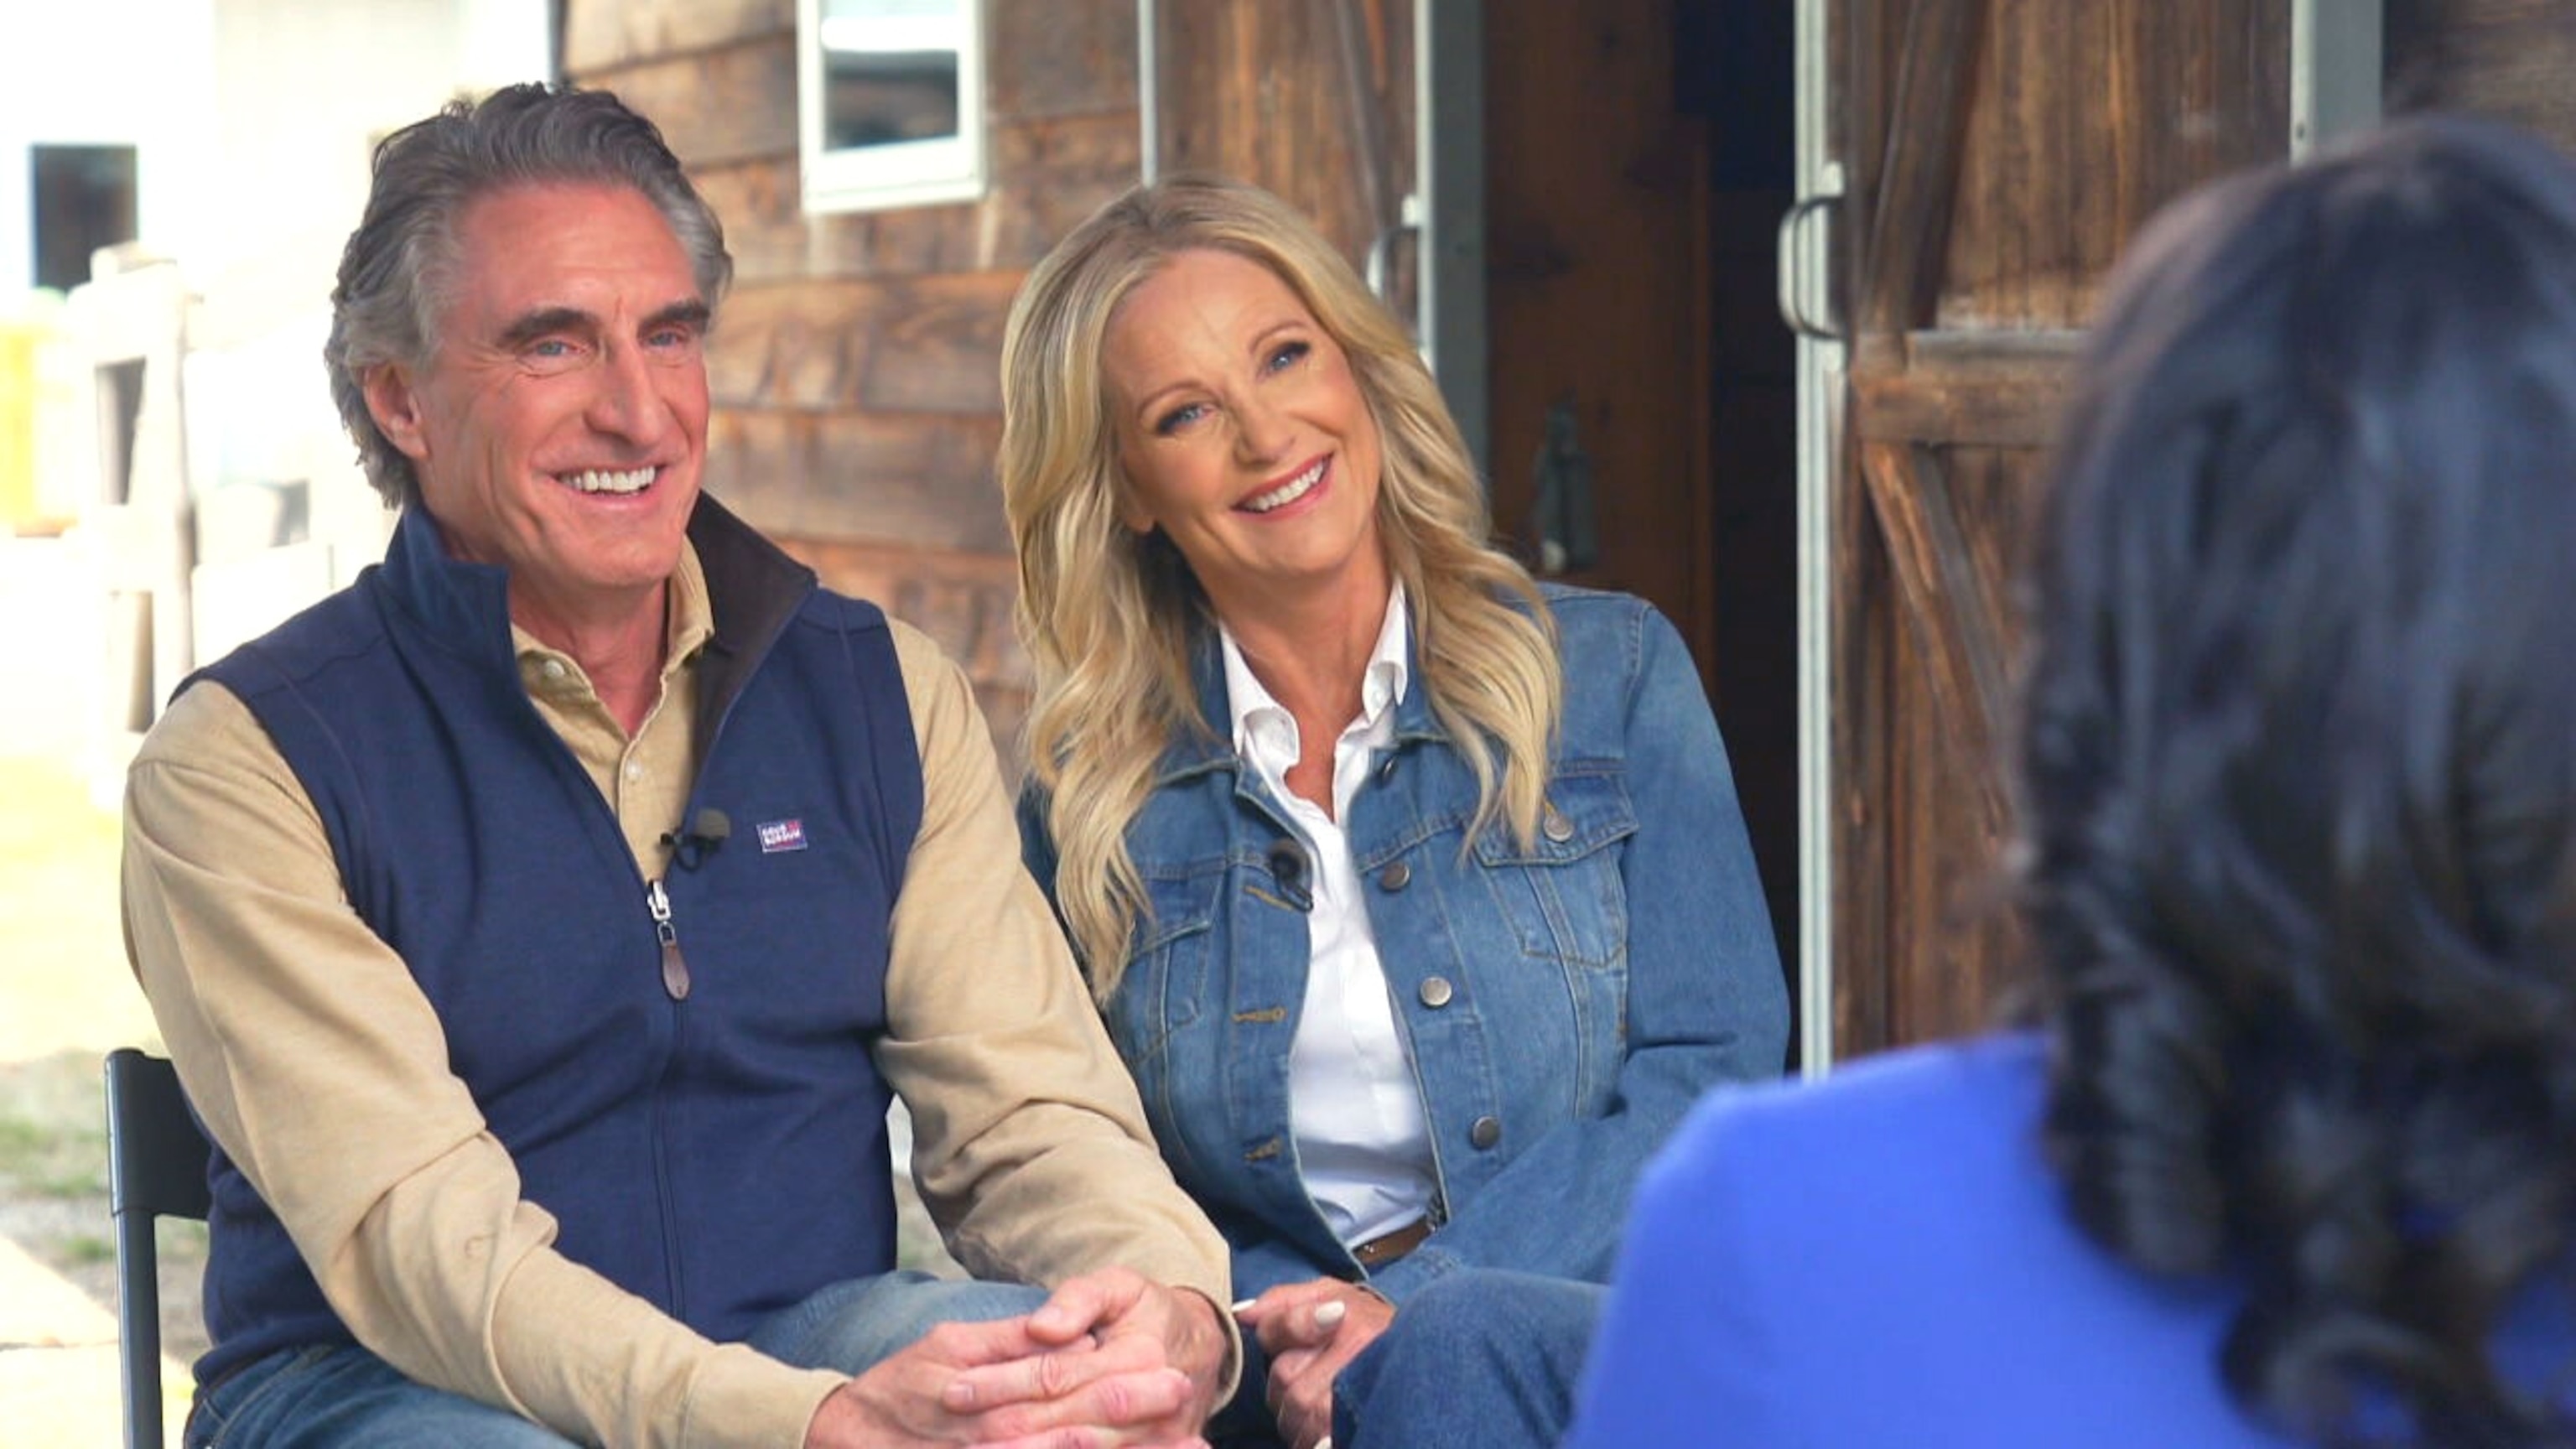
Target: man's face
{"points": [[559, 426]]}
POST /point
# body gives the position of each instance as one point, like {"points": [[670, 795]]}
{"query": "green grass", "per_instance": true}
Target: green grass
{"points": [[86, 1249], [50, 1147]]}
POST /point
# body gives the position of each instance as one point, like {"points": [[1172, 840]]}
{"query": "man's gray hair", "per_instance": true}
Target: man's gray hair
{"points": [[398, 271]]}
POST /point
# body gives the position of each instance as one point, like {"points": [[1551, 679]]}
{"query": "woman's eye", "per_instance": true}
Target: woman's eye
{"points": [[1289, 354], [1179, 418]]}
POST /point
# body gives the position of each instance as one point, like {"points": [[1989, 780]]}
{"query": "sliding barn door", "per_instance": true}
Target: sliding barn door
{"points": [[1994, 156]]}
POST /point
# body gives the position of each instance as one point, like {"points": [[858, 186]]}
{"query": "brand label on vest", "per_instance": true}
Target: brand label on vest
{"points": [[778, 835]]}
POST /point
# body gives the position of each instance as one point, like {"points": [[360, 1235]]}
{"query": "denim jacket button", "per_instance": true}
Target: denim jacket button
{"points": [[1386, 769], [1486, 1132], [1555, 826], [1396, 877], [1436, 991]]}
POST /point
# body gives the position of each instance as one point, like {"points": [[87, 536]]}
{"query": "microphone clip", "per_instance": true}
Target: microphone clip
{"points": [[689, 848]]}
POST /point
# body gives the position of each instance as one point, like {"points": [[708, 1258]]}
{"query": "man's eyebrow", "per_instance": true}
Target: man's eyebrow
{"points": [[692, 314], [545, 322]]}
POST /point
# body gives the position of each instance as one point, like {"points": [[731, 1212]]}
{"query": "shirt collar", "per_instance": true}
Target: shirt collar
{"points": [[1382, 686], [688, 619]]}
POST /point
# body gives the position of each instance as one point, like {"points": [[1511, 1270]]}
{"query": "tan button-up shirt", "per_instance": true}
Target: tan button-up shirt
{"points": [[321, 1067]]}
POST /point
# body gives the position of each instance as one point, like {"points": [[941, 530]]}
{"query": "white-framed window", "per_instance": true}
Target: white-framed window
{"points": [[890, 102]]}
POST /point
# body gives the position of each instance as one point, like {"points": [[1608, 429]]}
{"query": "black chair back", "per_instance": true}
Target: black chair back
{"points": [[156, 1168]]}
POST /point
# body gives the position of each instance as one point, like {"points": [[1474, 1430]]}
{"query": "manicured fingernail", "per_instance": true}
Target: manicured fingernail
{"points": [[1241, 1305], [1328, 1315], [1327, 1441]]}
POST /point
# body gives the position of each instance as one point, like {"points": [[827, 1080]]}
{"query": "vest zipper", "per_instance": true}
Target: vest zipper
{"points": [[675, 970]]}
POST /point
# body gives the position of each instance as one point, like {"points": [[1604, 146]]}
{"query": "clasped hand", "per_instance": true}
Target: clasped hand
{"points": [[1109, 1361], [1311, 1331]]}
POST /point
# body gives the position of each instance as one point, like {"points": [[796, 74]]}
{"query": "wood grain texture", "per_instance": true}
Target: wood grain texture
{"points": [[600, 35], [1992, 388], [961, 600], [1050, 174], [732, 104], [1935, 79], [2088, 119], [902, 481], [1055, 58], [917, 344], [2514, 59], [2066, 127], [1310, 98]]}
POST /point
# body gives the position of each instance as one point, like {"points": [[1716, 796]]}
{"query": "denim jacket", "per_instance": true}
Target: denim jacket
{"points": [[1563, 1005]]}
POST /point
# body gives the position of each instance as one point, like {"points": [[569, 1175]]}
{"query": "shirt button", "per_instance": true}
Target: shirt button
{"points": [[1396, 877], [552, 669], [1555, 826], [634, 769], [1485, 1133], [1436, 991]]}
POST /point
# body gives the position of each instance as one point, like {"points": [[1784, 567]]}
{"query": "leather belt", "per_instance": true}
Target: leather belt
{"points": [[1379, 1251]]}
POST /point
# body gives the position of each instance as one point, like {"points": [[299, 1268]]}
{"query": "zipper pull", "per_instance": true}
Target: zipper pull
{"points": [[675, 971]]}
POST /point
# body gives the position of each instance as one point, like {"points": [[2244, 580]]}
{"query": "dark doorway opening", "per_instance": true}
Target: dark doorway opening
{"points": [[83, 199], [1639, 157]]}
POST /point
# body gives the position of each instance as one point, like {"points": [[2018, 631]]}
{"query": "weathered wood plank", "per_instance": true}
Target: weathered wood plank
{"points": [[1048, 175], [961, 600], [1990, 389], [905, 481], [733, 104], [2510, 58], [1910, 225], [1867, 829], [923, 344], [1953, 616], [1050, 58], [2087, 118], [600, 35], [1311, 98]]}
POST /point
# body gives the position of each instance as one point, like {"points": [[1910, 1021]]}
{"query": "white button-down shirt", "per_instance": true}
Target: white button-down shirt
{"points": [[1355, 1112]]}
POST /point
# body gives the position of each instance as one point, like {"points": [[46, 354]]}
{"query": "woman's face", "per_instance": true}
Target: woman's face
{"points": [[1244, 436]]}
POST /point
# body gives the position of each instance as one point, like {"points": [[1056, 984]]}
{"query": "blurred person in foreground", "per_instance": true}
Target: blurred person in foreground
{"points": [[1415, 894], [2288, 1155], [543, 924]]}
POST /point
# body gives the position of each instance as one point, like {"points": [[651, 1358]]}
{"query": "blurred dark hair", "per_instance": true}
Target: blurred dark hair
{"points": [[2299, 771], [396, 273]]}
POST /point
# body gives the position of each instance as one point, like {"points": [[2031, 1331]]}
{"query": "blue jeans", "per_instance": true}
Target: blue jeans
{"points": [[330, 1395], [1480, 1359]]}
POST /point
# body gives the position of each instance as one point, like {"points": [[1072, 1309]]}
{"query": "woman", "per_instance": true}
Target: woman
{"points": [[2291, 1155], [1416, 896]]}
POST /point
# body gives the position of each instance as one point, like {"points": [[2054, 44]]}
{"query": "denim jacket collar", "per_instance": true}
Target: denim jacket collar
{"points": [[1212, 746]]}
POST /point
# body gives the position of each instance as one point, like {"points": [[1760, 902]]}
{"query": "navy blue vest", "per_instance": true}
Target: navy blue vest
{"points": [[721, 1153]]}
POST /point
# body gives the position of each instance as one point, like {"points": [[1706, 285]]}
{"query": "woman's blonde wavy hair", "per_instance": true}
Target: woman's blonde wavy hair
{"points": [[1107, 614]]}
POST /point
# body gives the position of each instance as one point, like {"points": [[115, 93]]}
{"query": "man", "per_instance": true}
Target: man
{"points": [[541, 924]]}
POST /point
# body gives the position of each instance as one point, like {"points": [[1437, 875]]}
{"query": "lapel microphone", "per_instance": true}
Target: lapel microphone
{"points": [[692, 846], [1288, 867]]}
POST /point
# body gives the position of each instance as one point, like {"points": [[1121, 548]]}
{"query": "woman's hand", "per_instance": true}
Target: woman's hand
{"points": [[1311, 1330]]}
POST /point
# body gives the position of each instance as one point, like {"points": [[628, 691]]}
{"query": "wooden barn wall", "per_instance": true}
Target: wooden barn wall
{"points": [[2510, 58], [2003, 153], [854, 367], [1310, 98]]}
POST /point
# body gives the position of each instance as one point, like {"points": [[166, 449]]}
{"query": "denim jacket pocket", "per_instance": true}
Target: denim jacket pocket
{"points": [[1165, 987], [1562, 895]]}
